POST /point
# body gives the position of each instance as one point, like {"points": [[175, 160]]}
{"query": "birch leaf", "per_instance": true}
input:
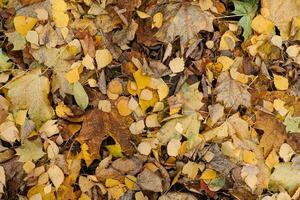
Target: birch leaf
{"points": [[80, 96]]}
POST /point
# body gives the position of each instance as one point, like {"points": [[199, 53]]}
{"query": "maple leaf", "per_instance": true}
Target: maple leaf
{"points": [[184, 20], [30, 150], [292, 123], [233, 93], [98, 125], [30, 92], [246, 9]]}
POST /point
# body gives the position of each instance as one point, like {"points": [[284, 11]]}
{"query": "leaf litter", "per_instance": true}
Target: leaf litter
{"points": [[159, 99]]}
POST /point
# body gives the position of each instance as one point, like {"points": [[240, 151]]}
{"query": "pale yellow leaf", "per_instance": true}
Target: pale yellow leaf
{"points": [[56, 175], [142, 14], [281, 83], [103, 58], [177, 65]]}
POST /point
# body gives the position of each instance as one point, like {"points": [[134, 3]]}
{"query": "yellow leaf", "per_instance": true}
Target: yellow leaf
{"points": [[208, 174], [85, 155], [262, 25], [157, 20], [111, 182], [28, 166], [59, 9], [142, 81], [116, 192], [272, 159], [145, 104], [130, 182], [142, 15], [249, 157], [63, 111], [228, 40], [20, 117], [84, 197], [225, 61], [175, 179], [39, 191], [103, 58], [281, 83], [23, 24], [191, 169], [73, 75]]}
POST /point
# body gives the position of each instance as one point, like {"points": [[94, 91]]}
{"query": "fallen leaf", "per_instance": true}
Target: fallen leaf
{"points": [[23, 24], [95, 129], [38, 105], [286, 152], [103, 58], [232, 93], [286, 176], [56, 175], [281, 13], [174, 23], [148, 180], [5, 64], [17, 40], [173, 147], [177, 65], [281, 83], [80, 95], [59, 9], [142, 14], [262, 25], [30, 150], [157, 20], [292, 123]]}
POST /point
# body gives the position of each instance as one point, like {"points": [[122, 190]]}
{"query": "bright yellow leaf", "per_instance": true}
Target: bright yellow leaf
{"points": [[130, 182], [208, 174], [262, 25], [23, 24], [281, 83]]}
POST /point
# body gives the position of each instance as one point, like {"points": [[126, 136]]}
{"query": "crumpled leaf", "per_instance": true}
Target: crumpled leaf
{"points": [[292, 123], [281, 12], [231, 92], [286, 176], [20, 92], [247, 9], [175, 23], [5, 64], [98, 125], [30, 150]]}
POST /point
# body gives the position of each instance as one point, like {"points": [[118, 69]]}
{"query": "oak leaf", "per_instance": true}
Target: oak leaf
{"points": [[98, 125], [231, 92], [184, 20], [30, 92]]}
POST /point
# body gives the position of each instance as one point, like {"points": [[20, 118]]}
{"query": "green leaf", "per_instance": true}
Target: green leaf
{"points": [[246, 9], [17, 40], [30, 150], [4, 63], [80, 96], [292, 123]]}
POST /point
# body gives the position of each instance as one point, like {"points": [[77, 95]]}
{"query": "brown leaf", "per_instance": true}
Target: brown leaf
{"points": [[87, 43], [231, 92], [98, 125], [128, 166], [148, 180], [274, 132], [184, 20]]}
